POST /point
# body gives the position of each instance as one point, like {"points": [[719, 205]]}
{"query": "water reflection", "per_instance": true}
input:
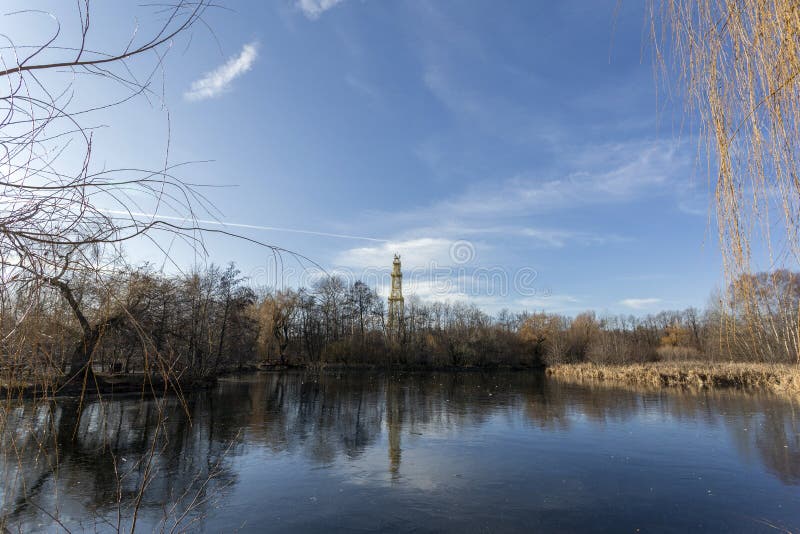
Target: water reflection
{"points": [[421, 443]]}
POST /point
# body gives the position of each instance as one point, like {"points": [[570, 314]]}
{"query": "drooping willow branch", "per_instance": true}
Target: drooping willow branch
{"points": [[738, 63]]}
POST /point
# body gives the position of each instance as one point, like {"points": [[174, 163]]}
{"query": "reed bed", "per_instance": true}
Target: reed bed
{"points": [[783, 379]]}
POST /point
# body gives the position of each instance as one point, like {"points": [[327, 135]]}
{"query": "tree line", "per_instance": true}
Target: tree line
{"points": [[206, 322], [334, 322]]}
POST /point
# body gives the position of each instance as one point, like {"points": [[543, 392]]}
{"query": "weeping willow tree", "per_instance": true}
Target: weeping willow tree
{"points": [[739, 64]]}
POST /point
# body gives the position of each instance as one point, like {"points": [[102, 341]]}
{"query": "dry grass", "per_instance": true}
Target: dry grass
{"points": [[779, 378]]}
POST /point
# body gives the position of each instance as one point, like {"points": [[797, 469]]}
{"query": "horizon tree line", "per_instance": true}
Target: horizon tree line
{"points": [[206, 322]]}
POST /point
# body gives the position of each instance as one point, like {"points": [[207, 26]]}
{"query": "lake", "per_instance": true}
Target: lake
{"points": [[370, 452]]}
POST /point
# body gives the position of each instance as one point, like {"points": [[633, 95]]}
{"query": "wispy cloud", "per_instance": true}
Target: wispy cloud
{"points": [[603, 174], [551, 303], [314, 8], [556, 238], [458, 101], [439, 250], [695, 207], [145, 218], [362, 87], [640, 304], [219, 80]]}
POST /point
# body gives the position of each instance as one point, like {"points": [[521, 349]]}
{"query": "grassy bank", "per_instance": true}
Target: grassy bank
{"points": [[779, 378]]}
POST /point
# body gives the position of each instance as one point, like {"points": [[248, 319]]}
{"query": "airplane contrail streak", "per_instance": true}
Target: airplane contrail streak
{"points": [[242, 225]]}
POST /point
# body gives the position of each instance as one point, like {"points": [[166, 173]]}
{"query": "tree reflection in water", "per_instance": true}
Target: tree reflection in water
{"points": [[60, 458]]}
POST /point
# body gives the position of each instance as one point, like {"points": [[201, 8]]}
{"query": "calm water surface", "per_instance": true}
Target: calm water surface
{"points": [[417, 452]]}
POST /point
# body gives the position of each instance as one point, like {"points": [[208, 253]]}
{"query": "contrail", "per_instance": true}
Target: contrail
{"points": [[241, 225]]}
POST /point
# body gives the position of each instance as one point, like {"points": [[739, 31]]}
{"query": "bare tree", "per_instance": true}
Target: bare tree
{"points": [[57, 218], [62, 214]]}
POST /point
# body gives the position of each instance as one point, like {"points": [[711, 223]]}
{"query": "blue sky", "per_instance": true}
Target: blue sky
{"points": [[516, 155]]}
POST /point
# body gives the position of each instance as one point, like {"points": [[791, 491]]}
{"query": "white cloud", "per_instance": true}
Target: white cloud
{"points": [[639, 304], [219, 80], [430, 290], [415, 253], [551, 303], [555, 238], [314, 8]]}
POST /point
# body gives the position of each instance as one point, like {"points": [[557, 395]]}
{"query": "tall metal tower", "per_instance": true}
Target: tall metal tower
{"points": [[396, 298]]}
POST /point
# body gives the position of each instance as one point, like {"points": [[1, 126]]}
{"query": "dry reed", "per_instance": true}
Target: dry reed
{"points": [[779, 378]]}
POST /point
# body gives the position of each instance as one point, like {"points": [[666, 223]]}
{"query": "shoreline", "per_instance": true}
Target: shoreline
{"points": [[126, 384], [103, 385], [781, 379]]}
